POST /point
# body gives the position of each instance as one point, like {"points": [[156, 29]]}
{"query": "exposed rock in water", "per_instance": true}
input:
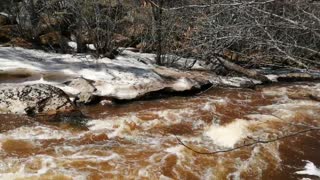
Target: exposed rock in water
{"points": [[85, 88], [34, 99]]}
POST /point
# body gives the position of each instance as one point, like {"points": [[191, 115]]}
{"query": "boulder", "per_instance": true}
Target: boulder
{"points": [[4, 19], [20, 42], [47, 23], [52, 38], [34, 99], [5, 33], [120, 40], [85, 90]]}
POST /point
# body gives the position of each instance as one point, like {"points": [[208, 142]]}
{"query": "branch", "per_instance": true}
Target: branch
{"points": [[202, 6], [287, 19], [254, 143]]}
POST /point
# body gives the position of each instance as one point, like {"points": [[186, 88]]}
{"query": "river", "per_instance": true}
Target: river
{"points": [[173, 138]]}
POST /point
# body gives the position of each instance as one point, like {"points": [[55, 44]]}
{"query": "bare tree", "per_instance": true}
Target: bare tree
{"points": [[262, 32]]}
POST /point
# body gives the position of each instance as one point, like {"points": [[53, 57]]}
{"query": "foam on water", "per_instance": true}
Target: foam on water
{"points": [[138, 144], [228, 135], [36, 133], [177, 150], [309, 169]]}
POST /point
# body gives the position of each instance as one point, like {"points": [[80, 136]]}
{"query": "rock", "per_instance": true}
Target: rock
{"points": [[34, 99], [47, 23], [315, 95], [4, 20], [52, 39], [20, 42], [120, 40], [85, 88], [5, 33]]}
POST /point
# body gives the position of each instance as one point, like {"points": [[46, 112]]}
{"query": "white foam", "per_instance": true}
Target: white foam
{"points": [[275, 91], [310, 169], [113, 126], [177, 150], [94, 158], [228, 135], [35, 133], [143, 173], [288, 109], [47, 163], [209, 107]]}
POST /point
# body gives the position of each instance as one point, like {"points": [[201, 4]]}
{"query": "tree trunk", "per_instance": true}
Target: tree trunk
{"points": [[157, 13], [247, 72]]}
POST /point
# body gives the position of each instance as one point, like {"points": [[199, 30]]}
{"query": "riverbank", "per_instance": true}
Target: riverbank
{"points": [[88, 80]]}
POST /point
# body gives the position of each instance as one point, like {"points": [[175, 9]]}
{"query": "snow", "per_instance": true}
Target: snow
{"points": [[74, 45], [310, 169], [272, 77], [129, 76], [122, 78], [4, 14], [182, 84]]}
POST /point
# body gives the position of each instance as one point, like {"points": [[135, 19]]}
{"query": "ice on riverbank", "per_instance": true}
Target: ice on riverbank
{"points": [[129, 76]]}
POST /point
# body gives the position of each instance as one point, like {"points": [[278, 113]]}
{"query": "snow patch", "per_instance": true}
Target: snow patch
{"points": [[129, 76], [4, 14], [272, 77], [126, 77], [47, 163]]}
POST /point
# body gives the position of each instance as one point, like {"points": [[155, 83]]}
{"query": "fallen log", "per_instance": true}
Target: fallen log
{"points": [[301, 76], [247, 72]]}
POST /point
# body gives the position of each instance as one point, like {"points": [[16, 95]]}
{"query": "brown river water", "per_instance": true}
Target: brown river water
{"points": [[142, 139]]}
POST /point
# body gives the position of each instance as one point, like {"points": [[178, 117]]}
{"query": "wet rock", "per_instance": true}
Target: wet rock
{"points": [[34, 99], [315, 95], [85, 88]]}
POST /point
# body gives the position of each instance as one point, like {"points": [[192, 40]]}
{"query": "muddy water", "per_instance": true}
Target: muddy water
{"points": [[139, 140]]}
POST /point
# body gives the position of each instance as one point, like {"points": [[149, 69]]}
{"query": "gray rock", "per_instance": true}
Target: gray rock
{"points": [[86, 89], [34, 99]]}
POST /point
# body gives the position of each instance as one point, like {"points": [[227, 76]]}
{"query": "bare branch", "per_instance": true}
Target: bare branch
{"points": [[254, 143]]}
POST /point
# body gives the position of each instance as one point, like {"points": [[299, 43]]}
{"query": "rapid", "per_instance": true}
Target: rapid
{"points": [[270, 132]]}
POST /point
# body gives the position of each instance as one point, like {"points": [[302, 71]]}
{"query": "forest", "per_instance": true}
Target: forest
{"points": [[265, 33]]}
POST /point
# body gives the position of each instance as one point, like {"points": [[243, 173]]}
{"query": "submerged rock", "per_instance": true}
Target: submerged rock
{"points": [[34, 99]]}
